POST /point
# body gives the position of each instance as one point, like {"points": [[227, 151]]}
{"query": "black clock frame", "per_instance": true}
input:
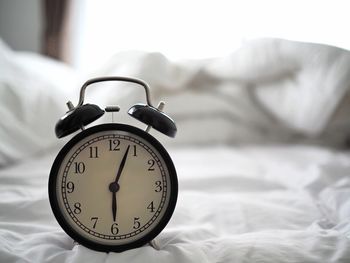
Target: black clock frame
{"points": [[89, 243]]}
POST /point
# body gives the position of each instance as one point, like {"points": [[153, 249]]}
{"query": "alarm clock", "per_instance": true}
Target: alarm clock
{"points": [[113, 186]]}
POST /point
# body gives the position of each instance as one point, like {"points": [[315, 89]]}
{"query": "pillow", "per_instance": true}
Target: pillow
{"points": [[303, 86], [268, 91], [33, 92]]}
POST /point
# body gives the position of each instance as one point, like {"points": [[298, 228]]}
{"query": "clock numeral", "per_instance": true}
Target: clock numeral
{"points": [[114, 145], [94, 219], [158, 186], [79, 167], [77, 208], [70, 187], [137, 223], [151, 163], [93, 152], [114, 229], [150, 207]]}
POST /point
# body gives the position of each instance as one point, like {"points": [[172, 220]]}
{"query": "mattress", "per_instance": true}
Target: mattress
{"points": [[277, 203]]}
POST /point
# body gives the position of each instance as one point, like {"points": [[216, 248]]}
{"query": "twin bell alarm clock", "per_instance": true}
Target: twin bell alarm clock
{"points": [[113, 186]]}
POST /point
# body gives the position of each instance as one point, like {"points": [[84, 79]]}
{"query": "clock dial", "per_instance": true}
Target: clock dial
{"points": [[114, 186]]}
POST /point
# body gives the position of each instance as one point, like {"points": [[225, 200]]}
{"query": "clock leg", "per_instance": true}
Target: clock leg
{"points": [[153, 243], [75, 243]]}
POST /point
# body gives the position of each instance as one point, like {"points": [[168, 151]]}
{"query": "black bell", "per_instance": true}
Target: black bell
{"points": [[77, 118], [155, 118]]}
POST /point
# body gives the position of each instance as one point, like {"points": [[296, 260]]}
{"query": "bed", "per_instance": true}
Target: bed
{"points": [[261, 154]]}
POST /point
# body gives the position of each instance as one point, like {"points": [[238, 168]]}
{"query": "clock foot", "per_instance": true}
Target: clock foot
{"points": [[75, 243], [153, 243]]}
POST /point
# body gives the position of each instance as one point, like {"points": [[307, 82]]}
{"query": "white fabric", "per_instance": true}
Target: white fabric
{"points": [[246, 204], [33, 93], [292, 79], [268, 90]]}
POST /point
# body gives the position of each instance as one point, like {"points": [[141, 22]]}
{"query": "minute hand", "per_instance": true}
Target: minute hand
{"points": [[122, 164]]}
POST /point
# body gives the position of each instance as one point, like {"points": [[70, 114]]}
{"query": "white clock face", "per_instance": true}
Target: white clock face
{"points": [[113, 187]]}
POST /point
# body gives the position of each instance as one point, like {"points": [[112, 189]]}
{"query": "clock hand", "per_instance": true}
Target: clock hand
{"points": [[122, 165], [114, 188], [114, 205]]}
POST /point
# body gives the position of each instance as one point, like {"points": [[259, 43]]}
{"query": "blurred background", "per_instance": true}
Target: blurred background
{"points": [[231, 72], [86, 33]]}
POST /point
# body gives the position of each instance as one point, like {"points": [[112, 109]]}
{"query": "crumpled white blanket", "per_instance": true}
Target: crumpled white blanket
{"points": [[236, 204], [242, 204]]}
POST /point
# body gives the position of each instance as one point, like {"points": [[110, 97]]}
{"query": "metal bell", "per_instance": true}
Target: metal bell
{"points": [[154, 117], [77, 118]]}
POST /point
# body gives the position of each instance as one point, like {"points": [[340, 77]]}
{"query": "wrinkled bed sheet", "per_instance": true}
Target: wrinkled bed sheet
{"points": [[236, 204]]}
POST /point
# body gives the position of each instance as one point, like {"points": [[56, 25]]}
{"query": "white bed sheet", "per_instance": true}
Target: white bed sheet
{"points": [[236, 204]]}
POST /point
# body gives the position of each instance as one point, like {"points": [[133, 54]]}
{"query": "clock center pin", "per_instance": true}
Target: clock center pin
{"points": [[114, 187]]}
